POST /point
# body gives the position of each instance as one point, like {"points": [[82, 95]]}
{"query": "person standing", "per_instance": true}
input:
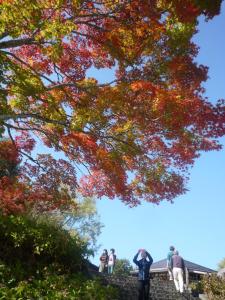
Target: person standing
{"points": [[178, 267], [144, 265], [112, 261], [103, 261], [169, 257]]}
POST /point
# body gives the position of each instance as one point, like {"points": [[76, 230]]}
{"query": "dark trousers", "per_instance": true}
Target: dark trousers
{"points": [[143, 289]]}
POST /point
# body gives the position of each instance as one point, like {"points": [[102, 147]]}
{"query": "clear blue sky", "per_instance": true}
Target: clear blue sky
{"points": [[195, 223]]}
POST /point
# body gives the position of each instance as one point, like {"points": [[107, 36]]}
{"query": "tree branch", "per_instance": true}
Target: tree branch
{"points": [[73, 84], [16, 43], [3, 35], [6, 117], [28, 66], [22, 152]]}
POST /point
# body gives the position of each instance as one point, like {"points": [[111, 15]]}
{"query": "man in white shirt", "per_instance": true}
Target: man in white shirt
{"points": [[111, 261], [178, 267]]}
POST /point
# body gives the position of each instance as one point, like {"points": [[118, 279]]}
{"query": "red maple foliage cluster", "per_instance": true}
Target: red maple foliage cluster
{"points": [[133, 138]]}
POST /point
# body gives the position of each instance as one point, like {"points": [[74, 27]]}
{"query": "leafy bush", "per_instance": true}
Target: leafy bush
{"points": [[43, 261], [214, 287], [27, 247], [196, 287], [74, 287], [123, 267]]}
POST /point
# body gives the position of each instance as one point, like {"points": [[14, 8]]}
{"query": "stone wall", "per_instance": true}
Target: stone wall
{"points": [[159, 289]]}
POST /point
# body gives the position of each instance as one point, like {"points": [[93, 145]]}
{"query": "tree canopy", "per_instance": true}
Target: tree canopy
{"points": [[133, 138], [221, 264], [123, 267]]}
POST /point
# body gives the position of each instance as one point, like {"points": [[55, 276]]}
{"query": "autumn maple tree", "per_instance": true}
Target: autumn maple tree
{"points": [[132, 138]]}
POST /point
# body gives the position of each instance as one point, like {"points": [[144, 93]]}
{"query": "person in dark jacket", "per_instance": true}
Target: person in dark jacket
{"points": [[144, 265], [103, 261], [178, 266]]}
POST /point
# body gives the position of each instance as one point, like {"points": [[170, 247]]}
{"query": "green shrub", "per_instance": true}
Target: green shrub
{"points": [[27, 247], [196, 286], [214, 287], [43, 261], [74, 287]]}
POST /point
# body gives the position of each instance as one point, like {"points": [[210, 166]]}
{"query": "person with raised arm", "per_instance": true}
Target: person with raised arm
{"points": [[144, 265]]}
